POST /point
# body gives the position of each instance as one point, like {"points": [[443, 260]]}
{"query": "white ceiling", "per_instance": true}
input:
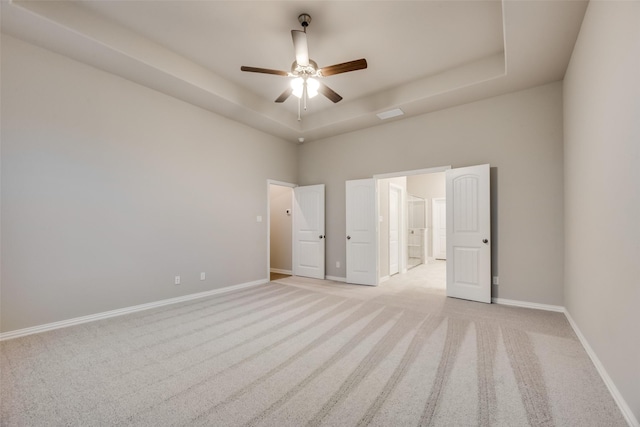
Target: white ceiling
{"points": [[422, 55]]}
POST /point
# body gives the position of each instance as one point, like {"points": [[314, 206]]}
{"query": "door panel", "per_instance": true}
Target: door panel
{"points": [[361, 232], [308, 231], [468, 233]]}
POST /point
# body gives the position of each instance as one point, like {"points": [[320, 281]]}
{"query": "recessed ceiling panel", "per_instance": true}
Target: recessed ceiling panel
{"points": [[402, 41]]}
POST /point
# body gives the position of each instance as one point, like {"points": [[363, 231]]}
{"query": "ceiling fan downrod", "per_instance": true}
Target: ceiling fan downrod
{"points": [[305, 20]]}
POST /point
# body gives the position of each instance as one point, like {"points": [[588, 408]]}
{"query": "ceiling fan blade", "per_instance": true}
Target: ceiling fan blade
{"points": [[329, 93], [264, 71], [286, 94], [300, 47], [358, 64]]}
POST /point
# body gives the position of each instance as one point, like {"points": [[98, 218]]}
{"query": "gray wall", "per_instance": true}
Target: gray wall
{"points": [[519, 134], [602, 181], [281, 199], [110, 189]]}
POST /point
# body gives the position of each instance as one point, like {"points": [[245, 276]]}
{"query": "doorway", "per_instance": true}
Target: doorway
{"points": [[295, 231], [416, 239], [468, 230], [419, 189], [280, 237], [429, 267]]}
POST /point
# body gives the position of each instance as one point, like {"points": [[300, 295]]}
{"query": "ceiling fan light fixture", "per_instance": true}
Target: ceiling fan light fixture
{"points": [[312, 87], [298, 84]]}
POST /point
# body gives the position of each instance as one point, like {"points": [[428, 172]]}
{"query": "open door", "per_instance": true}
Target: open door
{"points": [[361, 232], [308, 231], [468, 233]]}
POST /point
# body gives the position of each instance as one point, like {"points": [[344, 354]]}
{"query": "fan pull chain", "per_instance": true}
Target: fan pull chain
{"points": [[299, 118], [304, 94]]}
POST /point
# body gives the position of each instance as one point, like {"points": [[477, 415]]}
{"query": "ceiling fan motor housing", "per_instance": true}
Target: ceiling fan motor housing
{"points": [[310, 71]]}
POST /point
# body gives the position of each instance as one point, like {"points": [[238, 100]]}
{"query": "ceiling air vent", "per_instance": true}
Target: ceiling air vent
{"points": [[389, 114]]}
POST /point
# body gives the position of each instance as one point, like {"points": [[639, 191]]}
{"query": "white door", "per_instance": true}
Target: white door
{"points": [[361, 232], [468, 233], [395, 198], [308, 231], [439, 209]]}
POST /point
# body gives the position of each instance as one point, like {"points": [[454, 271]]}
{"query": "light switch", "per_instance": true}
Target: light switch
{"points": [[259, 218]]}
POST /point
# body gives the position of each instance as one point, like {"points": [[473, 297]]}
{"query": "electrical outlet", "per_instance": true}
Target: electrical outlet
{"points": [[177, 280], [202, 276], [495, 280]]}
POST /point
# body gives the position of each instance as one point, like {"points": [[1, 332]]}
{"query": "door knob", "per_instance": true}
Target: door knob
{"points": [[348, 237], [485, 241], [321, 236]]}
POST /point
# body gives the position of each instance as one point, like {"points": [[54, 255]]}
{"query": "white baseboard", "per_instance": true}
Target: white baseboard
{"points": [[383, 279], [526, 304], [281, 271], [121, 311], [336, 279], [622, 404]]}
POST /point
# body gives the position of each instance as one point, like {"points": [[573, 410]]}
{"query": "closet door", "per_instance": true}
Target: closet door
{"points": [[362, 261], [308, 231]]}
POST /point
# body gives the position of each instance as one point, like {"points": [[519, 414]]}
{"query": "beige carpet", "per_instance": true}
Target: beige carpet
{"points": [[305, 352]]}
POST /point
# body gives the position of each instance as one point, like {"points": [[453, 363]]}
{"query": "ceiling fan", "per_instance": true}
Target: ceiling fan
{"points": [[305, 72]]}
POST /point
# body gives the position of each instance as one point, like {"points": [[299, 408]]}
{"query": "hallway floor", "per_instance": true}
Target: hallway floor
{"points": [[432, 275]]}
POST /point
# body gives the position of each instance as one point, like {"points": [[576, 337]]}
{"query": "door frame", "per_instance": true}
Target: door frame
{"points": [[281, 184]]}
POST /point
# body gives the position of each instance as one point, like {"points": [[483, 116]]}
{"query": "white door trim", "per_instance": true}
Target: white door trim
{"points": [[281, 184]]}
